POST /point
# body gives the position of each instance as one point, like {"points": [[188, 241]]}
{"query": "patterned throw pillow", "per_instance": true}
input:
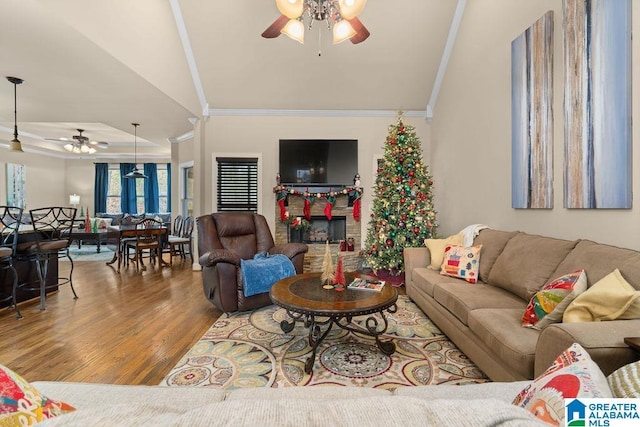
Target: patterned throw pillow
{"points": [[22, 404], [548, 304], [437, 247], [625, 382], [462, 262], [572, 374]]}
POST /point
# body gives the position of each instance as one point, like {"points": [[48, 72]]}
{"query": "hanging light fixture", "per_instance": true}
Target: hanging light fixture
{"points": [[16, 145], [135, 173], [341, 17]]}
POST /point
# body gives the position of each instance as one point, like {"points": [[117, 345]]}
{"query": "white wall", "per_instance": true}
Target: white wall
{"points": [[45, 176], [261, 135], [471, 133]]}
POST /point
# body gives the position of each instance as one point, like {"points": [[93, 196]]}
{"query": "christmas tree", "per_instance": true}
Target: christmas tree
{"points": [[403, 214]]}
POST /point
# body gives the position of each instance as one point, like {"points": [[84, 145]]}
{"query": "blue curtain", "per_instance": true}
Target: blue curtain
{"points": [[168, 187], [128, 195], [101, 187], [151, 202]]}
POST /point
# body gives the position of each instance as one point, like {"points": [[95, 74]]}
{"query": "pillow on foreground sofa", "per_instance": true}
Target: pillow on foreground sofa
{"points": [[573, 374], [484, 319]]}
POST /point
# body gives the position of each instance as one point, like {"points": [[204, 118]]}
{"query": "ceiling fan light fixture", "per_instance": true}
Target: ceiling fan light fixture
{"points": [[295, 30], [342, 31], [349, 9], [292, 9], [16, 145]]}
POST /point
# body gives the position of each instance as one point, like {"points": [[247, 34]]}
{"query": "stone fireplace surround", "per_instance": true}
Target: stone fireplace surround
{"points": [[314, 258]]}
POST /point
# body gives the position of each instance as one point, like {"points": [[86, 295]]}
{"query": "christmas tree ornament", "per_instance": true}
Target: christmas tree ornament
{"points": [[327, 268], [339, 278]]}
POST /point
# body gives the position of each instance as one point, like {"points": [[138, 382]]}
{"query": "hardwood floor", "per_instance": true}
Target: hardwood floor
{"points": [[127, 328]]}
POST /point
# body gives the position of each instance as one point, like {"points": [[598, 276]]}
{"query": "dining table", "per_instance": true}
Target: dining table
{"points": [[117, 233]]}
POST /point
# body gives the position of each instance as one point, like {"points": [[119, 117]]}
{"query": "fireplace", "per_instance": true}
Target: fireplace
{"points": [[321, 230]]}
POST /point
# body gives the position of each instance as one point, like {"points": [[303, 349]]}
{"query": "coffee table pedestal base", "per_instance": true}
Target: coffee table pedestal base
{"points": [[373, 328]]}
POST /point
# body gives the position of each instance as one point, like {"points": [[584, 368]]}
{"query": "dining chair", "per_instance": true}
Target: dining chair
{"points": [[10, 219], [148, 237], [182, 241], [177, 226], [52, 237]]}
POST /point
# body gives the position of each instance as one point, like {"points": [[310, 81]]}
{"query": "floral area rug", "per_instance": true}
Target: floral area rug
{"points": [[250, 350]]}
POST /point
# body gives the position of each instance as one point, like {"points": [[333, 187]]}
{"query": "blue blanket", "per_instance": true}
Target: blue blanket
{"points": [[261, 272]]}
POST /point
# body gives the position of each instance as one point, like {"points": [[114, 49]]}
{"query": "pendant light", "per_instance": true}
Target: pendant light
{"points": [[16, 145], [135, 173]]}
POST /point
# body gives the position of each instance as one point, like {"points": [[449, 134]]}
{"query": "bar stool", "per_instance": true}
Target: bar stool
{"points": [[52, 230], [10, 218]]}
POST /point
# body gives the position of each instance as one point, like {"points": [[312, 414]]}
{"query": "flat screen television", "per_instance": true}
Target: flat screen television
{"points": [[318, 161]]}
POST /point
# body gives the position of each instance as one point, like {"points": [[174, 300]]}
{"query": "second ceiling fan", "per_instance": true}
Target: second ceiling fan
{"points": [[80, 144]]}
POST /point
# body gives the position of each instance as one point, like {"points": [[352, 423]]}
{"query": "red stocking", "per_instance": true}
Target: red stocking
{"points": [[307, 209], [331, 200], [356, 209], [283, 209]]}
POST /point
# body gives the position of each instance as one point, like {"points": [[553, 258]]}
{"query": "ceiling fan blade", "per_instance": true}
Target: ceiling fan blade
{"points": [[99, 144], [361, 30], [58, 139], [274, 29]]}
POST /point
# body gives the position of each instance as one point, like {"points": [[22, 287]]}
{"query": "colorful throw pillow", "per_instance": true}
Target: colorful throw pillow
{"points": [[548, 304], [610, 298], [572, 374], [437, 247], [462, 262], [22, 404], [625, 382]]}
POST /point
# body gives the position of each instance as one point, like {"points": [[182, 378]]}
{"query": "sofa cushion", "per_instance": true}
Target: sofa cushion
{"points": [[598, 260], [500, 330], [527, 262], [609, 299], [462, 262], [303, 393], [548, 304], [21, 403], [426, 279], [625, 382], [493, 243], [87, 395], [490, 390], [460, 298], [573, 374], [437, 248]]}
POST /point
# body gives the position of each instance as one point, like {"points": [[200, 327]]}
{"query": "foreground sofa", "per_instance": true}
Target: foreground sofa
{"points": [[484, 319], [446, 405]]}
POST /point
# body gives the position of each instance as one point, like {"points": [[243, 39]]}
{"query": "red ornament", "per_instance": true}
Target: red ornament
{"points": [[389, 242], [402, 201], [416, 230], [392, 142], [401, 159], [411, 173]]}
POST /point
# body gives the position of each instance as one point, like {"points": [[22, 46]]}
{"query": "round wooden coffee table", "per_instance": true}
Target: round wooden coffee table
{"points": [[305, 300]]}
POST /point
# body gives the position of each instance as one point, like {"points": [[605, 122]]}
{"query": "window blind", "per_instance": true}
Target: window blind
{"points": [[237, 184]]}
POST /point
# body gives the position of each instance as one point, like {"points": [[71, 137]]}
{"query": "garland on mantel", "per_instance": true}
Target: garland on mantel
{"points": [[282, 192]]}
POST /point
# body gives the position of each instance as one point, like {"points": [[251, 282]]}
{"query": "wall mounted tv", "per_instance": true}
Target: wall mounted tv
{"points": [[318, 161]]}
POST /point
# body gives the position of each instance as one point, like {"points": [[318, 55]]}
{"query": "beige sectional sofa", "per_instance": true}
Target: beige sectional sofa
{"points": [[484, 319], [487, 404]]}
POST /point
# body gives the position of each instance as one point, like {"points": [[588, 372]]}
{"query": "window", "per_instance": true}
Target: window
{"points": [[113, 193], [187, 191], [237, 184], [115, 189]]}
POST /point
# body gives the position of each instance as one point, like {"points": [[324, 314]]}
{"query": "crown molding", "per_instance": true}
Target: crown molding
{"points": [[259, 112]]}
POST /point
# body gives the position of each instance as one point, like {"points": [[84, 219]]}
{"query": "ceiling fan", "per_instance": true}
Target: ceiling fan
{"points": [[80, 144], [341, 17]]}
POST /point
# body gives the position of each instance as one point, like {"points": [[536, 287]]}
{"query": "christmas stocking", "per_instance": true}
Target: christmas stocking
{"points": [[356, 208], [307, 208], [331, 200]]}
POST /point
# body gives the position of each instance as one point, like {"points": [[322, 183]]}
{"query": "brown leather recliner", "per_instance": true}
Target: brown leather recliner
{"points": [[224, 239]]}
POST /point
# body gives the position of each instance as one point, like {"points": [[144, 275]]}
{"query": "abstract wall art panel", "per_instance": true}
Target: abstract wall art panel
{"points": [[597, 104], [532, 116]]}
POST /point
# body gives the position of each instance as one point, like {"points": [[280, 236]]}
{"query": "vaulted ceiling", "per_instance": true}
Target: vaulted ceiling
{"points": [[99, 65]]}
